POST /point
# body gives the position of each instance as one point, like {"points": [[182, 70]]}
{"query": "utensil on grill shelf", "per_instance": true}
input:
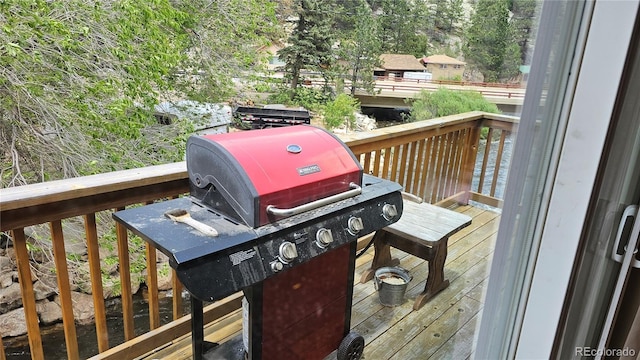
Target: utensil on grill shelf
{"points": [[183, 216]]}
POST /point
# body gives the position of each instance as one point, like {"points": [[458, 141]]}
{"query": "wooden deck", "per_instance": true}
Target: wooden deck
{"points": [[443, 329]]}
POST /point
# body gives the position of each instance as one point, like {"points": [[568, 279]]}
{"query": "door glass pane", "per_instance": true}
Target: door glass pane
{"points": [[596, 271], [535, 154]]}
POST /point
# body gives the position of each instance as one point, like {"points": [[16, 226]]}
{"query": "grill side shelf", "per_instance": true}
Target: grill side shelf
{"points": [[180, 242]]}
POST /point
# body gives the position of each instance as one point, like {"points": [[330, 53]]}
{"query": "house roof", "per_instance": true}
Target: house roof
{"points": [[441, 59], [400, 62]]}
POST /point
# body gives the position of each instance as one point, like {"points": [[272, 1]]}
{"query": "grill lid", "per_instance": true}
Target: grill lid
{"points": [[259, 176]]}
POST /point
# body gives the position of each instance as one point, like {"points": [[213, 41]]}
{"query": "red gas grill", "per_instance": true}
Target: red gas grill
{"points": [[288, 205]]}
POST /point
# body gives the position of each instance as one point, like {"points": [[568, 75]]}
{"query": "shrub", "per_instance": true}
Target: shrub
{"points": [[443, 102], [339, 111]]}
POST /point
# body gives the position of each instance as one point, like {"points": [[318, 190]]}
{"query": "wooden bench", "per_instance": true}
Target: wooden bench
{"points": [[422, 231]]}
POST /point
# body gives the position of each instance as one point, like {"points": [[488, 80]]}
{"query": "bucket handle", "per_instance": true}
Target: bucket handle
{"points": [[377, 284]]}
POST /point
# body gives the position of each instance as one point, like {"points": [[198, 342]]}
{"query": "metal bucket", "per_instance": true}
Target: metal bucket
{"points": [[391, 283]]}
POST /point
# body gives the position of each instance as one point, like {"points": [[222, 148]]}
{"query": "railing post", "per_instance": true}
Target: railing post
{"points": [[469, 160]]}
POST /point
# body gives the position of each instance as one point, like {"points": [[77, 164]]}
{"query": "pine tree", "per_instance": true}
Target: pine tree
{"points": [[401, 21], [522, 23], [361, 48], [488, 39], [310, 43]]}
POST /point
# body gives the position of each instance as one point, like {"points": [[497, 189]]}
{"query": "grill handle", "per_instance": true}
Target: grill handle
{"points": [[355, 190]]}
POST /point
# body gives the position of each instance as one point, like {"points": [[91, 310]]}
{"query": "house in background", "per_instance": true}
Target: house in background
{"points": [[443, 67], [396, 65], [271, 51]]}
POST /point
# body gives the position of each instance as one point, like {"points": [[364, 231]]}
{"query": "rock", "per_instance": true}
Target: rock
{"points": [[161, 258], [42, 290], [81, 279], [10, 298], [13, 323], [40, 237], [109, 267], [49, 312], [5, 264], [5, 242], [46, 273], [110, 286], [83, 311], [6, 279], [362, 123], [164, 277], [10, 253]]}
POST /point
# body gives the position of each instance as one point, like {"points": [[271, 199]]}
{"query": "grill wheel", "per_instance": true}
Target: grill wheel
{"points": [[351, 347]]}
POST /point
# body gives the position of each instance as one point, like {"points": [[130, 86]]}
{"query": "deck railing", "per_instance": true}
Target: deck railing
{"points": [[445, 160]]}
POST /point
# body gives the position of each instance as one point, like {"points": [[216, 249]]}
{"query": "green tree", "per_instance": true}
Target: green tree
{"points": [[401, 22], [80, 79], [223, 37], [488, 39], [522, 24], [361, 49], [310, 42], [447, 14], [443, 102]]}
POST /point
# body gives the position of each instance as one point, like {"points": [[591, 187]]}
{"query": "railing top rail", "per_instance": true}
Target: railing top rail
{"points": [[60, 190], [354, 139]]}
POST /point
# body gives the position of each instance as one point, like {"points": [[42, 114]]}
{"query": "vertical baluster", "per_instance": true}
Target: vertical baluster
{"points": [[496, 169], [125, 281], [28, 297], [2, 355], [432, 153], [394, 163], [435, 196], [62, 276], [459, 164], [446, 165], [152, 286], [485, 160], [376, 163], [418, 168], [177, 295], [387, 163], [93, 251], [453, 158], [176, 286], [403, 165], [411, 165], [367, 163], [469, 161], [425, 169]]}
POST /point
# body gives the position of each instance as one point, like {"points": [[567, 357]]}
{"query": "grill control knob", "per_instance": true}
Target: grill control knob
{"points": [[276, 266], [324, 237], [355, 225], [389, 211], [288, 252]]}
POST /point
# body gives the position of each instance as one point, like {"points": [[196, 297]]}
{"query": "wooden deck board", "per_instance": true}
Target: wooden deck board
{"points": [[443, 329]]}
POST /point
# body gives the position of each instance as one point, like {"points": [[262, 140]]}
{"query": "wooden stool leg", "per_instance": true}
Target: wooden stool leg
{"points": [[435, 278], [381, 256]]}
